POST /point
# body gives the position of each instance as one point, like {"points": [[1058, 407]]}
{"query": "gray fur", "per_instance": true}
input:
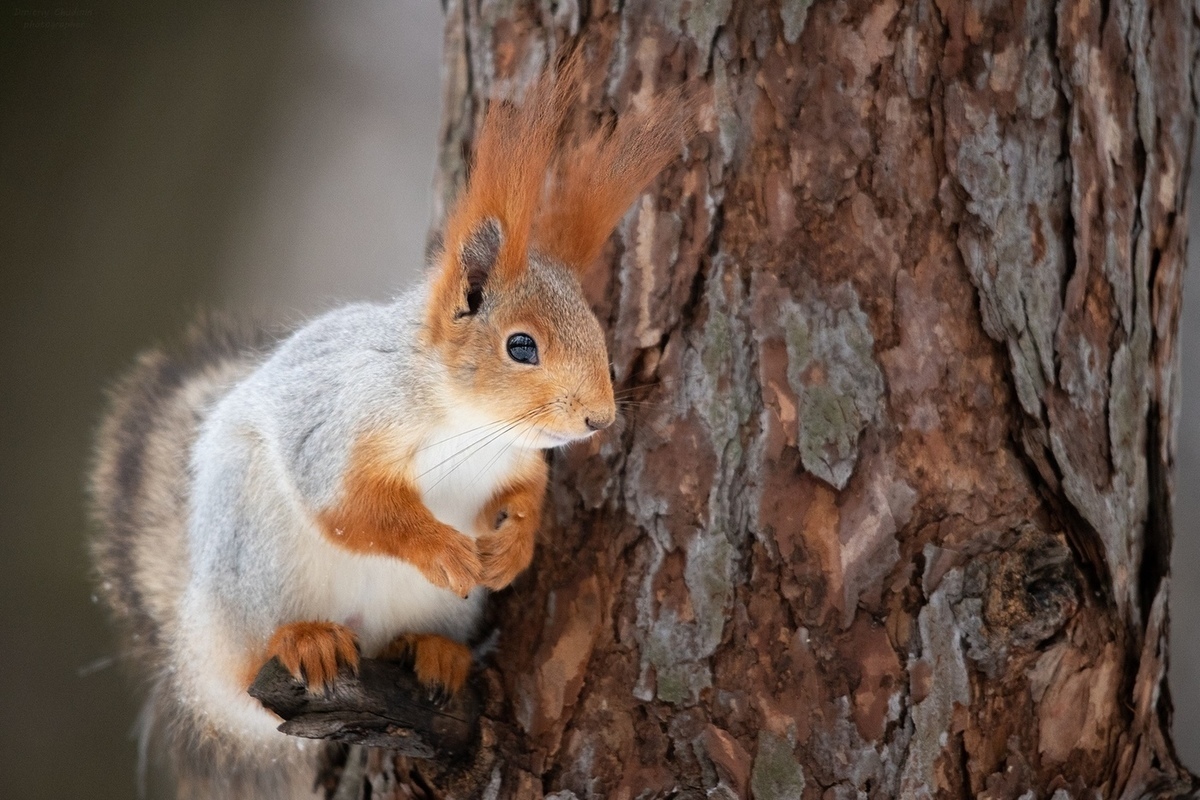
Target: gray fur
{"points": [[213, 466], [276, 447], [138, 492], [193, 446]]}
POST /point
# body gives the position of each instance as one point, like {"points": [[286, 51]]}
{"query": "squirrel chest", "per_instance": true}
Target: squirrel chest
{"points": [[454, 474], [465, 466]]}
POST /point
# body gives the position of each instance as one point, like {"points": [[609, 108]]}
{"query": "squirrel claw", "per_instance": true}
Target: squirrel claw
{"points": [[504, 558], [314, 652], [452, 564], [442, 665], [460, 567]]}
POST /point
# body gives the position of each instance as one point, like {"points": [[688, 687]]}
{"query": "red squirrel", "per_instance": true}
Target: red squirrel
{"points": [[357, 486]]}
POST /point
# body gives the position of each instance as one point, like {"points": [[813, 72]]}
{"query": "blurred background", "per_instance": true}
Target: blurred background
{"points": [[270, 158]]}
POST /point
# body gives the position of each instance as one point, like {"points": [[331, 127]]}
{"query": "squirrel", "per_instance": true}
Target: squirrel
{"points": [[355, 488]]}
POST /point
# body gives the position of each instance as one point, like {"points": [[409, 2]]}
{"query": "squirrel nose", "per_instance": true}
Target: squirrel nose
{"points": [[597, 424]]}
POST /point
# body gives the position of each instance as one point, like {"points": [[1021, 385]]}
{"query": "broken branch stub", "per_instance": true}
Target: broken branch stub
{"points": [[383, 706]]}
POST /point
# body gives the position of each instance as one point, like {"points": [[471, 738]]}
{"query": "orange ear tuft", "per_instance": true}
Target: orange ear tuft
{"points": [[508, 172], [507, 205], [597, 180]]}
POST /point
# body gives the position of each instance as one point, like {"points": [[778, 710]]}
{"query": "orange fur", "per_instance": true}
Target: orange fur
{"points": [[313, 652], [507, 548], [495, 383], [591, 184], [508, 170], [595, 182], [438, 661], [382, 514]]}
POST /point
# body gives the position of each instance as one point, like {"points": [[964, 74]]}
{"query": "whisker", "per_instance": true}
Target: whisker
{"points": [[648, 386], [540, 429], [657, 379], [466, 456], [501, 452], [657, 427], [457, 435], [641, 404], [483, 441], [470, 450]]}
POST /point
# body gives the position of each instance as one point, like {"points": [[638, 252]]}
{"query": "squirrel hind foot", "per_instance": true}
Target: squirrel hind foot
{"points": [[442, 665], [314, 652]]}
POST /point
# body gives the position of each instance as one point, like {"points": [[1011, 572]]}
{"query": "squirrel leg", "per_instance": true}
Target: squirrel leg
{"points": [[314, 651], [441, 664], [510, 523], [382, 514]]}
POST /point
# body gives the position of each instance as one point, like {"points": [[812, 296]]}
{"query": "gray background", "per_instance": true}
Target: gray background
{"points": [[267, 158]]}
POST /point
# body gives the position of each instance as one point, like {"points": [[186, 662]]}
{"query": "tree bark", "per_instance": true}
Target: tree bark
{"points": [[889, 512]]}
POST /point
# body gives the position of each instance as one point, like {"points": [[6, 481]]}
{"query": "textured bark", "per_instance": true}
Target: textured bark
{"points": [[890, 512]]}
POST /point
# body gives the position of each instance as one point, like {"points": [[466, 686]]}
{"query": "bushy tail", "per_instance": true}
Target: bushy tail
{"points": [[139, 489]]}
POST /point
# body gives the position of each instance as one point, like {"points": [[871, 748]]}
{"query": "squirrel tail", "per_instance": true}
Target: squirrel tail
{"points": [[139, 487]]}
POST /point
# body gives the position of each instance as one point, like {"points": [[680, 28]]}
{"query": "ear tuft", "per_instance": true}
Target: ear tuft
{"points": [[595, 181], [487, 232], [508, 207]]}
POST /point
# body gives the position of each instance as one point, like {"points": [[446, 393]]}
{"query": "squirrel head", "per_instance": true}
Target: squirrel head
{"points": [[506, 313], [523, 346]]}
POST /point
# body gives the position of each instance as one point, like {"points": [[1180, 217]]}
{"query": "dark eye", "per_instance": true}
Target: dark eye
{"points": [[522, 348]]}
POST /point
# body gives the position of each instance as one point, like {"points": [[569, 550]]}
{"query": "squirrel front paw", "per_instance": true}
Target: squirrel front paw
{"points": [[314, 652], [505, 553], [442, 665], [449, 561]]}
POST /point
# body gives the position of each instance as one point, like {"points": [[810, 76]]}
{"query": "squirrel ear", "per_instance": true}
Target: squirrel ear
{"points": [[479, 251], [478, 255]]}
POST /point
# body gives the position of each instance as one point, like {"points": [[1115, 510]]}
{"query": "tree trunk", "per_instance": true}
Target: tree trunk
{"points": [[890, 512]]}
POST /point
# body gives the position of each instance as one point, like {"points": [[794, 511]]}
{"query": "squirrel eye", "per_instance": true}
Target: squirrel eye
{"points": [[522, 348]]}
